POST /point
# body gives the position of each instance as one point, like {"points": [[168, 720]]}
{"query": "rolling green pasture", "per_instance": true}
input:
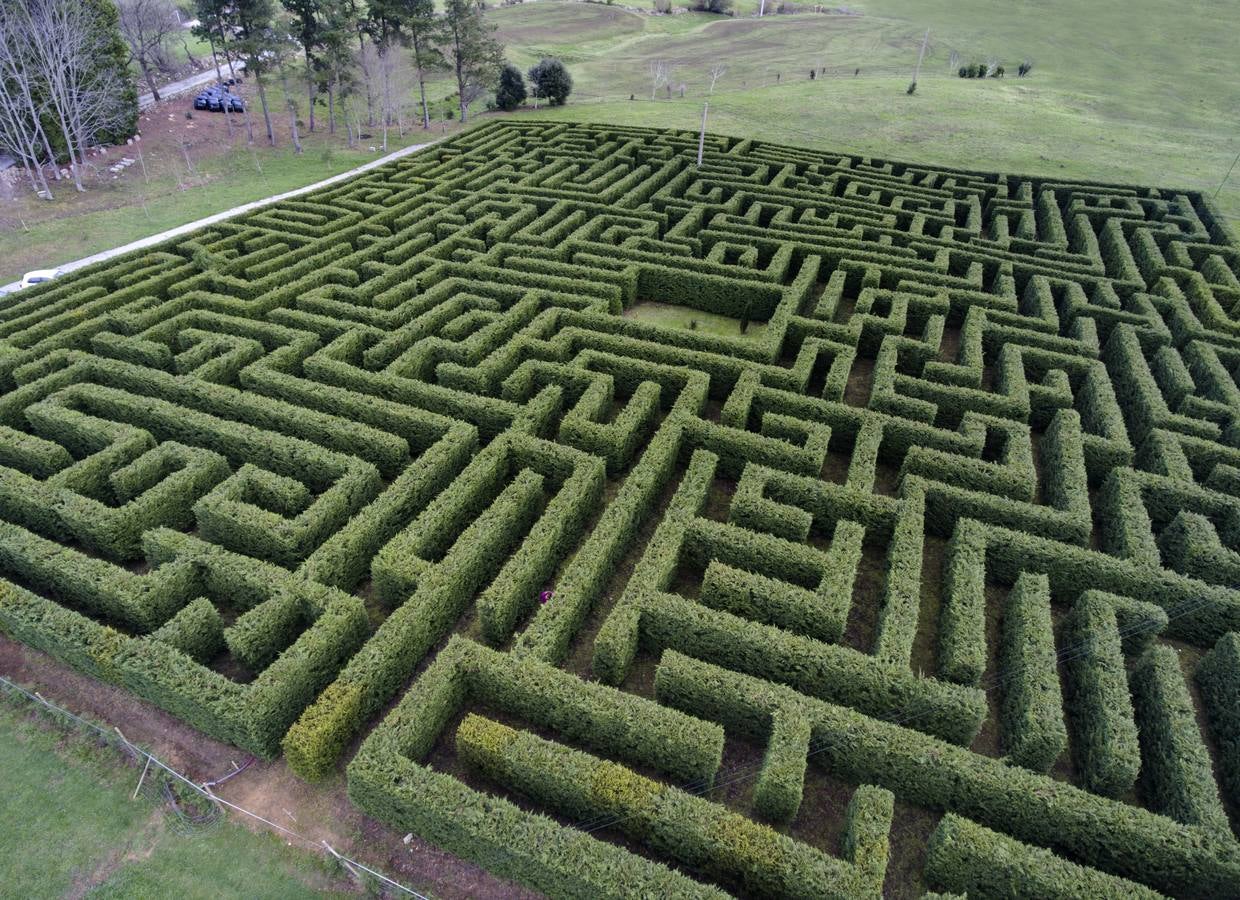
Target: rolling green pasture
{"points": [[1138, 92], [1141, 91]]}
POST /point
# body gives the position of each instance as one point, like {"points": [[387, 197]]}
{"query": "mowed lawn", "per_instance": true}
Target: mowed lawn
{"points": [[70, 828], [1141, 92]]}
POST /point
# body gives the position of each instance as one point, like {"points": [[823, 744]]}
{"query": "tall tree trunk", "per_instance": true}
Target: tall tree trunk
{"points": [[228, 121], [60, 102], [215, 58], [249, 123], [331, 109], [34, 171], [460, 76], [370, 97], [344, 109], [245, 107], [51, 156], [311, 87], [150, 79], [292, 109], [417, 61], [189, 57], [232, 73], [37, 176], [262, 98], [387, 99]]}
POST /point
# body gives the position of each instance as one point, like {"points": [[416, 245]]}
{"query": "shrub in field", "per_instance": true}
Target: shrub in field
{"points": [[551, 81], [510, 93]]}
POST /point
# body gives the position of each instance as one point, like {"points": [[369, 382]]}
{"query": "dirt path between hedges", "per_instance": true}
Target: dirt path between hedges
{"points": [[317, 812]]}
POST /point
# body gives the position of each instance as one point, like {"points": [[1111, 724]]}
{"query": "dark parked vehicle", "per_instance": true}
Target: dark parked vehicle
{"points": [[218, 98]]}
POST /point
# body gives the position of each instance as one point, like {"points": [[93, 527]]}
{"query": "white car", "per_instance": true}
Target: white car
{"points": [[38, 276]]}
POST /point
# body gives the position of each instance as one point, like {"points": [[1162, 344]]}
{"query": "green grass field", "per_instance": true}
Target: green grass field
{"points": [[72, 829], [1140, 92], [1143, 92]]}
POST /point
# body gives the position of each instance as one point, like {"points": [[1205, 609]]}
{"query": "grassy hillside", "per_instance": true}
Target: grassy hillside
{"points": [[1137, 92]]}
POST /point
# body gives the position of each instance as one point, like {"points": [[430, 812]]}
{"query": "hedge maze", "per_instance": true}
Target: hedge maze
{"points": [[929, 584]]}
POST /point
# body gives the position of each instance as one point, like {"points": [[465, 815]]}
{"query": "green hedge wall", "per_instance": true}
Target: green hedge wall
{"points": [[696, 832], [1125, 840], [1218, 677], [969, 858], [1031, 702]]}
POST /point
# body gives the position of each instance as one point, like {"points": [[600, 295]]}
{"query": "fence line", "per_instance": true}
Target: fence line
{"points": [[204, 789]]}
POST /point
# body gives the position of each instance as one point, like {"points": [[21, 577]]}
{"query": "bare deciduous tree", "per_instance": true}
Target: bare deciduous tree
{"points": [[20, 128], [660, 74], [147, 25], [395, 79], [716, 72], [67, 46]]}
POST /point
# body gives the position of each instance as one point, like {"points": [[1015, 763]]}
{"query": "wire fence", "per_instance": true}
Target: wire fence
{"points": [[193, 807]]}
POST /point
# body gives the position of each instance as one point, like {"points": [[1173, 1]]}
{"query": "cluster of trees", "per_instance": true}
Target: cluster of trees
{"points": [[64, 84], [981, 70], [990, 69], [549, 81], [355, 52]]}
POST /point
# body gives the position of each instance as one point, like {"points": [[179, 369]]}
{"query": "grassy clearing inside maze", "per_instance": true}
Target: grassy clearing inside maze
{"points": [[938, 556]]}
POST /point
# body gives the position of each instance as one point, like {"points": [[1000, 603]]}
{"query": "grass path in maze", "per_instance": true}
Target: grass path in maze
{"points": [[692, 320]]}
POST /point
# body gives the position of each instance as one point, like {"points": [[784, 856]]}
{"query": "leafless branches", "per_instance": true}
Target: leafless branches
{"points": [[84, 94], [660, 74], [147, 26], [716, 72], [21, 130], [54, 75], [391, 79]]}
